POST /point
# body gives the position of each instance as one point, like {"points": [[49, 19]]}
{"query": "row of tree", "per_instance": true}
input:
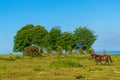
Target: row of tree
{"points": [[30, 35]]}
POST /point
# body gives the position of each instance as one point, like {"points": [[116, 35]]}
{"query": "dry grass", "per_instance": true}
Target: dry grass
{"points": [[28, 68]]}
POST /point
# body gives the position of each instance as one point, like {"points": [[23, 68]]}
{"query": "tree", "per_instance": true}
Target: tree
{"points": [[53, 37], [23, 38], [85, 37], [66, 40], [29, 35], [38, 35]]}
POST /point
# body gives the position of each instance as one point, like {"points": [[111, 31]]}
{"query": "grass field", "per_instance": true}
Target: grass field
{"points": [[52, 67]]}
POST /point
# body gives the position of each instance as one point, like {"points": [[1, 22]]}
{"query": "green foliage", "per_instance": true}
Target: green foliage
{"points": [[69, 50], [91, 51], [37, 69], [59, 50], [18, 57], [29, 35], [32, 51], [85, 36], [66, 39], [67, 63], [53, 37], [10, 58], [22, 38], [38, 35]]}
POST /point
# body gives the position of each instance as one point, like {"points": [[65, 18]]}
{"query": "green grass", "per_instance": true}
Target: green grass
{"points": [[52, 67], [65, 63]]}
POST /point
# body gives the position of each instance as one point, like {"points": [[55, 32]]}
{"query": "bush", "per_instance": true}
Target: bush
{"points": [[32, 51], [18, 57], [79, 77], [69, 50], [81, 51], [49, 50], [91, 51], [37, 69], [59, 50], [41, 50], [9, 59]]}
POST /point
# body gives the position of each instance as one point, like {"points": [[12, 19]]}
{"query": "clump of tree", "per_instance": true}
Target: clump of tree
{"points": [[66, 40], [30, 35], [53, 37]]}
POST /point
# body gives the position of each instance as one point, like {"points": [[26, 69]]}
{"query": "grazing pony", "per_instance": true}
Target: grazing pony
{"points": [[100, 58]]}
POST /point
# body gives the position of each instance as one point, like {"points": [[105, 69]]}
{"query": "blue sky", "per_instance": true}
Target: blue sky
{"points": [[101, 16]]}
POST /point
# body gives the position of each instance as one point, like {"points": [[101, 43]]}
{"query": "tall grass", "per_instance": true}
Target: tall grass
{"points": [[65, 64]]}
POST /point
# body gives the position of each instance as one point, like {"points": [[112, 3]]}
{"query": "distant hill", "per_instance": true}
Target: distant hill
{"points": [[109, 52]]}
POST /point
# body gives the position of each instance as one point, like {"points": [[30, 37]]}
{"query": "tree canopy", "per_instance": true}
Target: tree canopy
{"points": [[30, 35], [66, 39], [85, 37], [53, 37]]}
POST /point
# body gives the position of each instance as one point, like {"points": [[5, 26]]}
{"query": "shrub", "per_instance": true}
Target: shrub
{"points": [[32, 51], [69, 50], [59, 50], [49, 50], [18, 57], [79, 77], [10, 59], [91, 51], [81, 51], [37, 69], [41, 50], [7, 58]]}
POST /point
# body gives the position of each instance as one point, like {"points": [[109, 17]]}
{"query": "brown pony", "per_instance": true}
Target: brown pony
{"points": [[100, 58]]}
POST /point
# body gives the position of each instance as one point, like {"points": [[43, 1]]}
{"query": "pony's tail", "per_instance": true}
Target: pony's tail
{"points": [[110, 59]]}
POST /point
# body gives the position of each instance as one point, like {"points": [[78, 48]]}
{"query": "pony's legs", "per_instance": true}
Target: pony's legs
{"points": [[97, 62], [107, 62], [101, 62]]}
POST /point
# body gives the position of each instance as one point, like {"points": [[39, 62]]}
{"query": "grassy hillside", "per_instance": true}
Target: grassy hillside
{"points": [[52, 67]]}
